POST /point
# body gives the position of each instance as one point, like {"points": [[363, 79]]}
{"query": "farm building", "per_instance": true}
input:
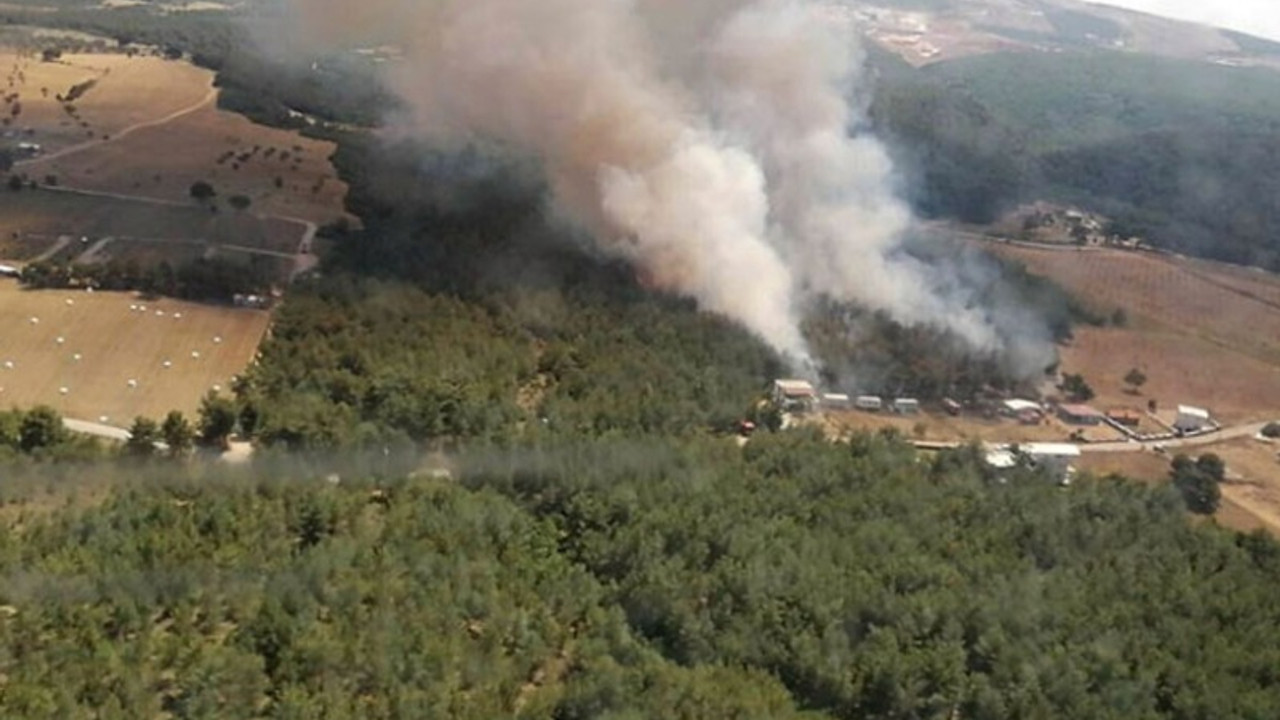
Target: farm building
{"points": [[906, 406], [10, 271], [795, 395], [1191, 419], [870, 403], [1080, 415], [835, 401]]}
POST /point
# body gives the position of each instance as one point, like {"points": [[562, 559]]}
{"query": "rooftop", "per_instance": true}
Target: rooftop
{"points": [[1017, 405], [1051, 449], [1193, 411]]}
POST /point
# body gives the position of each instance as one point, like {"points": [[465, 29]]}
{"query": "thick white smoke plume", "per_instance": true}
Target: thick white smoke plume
{"points": [[716, 144]]}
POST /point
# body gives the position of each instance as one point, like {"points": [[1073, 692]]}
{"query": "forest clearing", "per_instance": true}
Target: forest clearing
{"points": [[108, 352]]}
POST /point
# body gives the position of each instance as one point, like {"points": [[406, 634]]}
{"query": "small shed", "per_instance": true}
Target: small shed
{"points": [[1191, 419], [1080, 415]]}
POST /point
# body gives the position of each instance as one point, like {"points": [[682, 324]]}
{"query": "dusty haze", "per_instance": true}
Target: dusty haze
{"points": [[719, 145]]}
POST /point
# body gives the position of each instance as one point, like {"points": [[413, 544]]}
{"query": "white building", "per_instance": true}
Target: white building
{"points": [[1192, 419]]}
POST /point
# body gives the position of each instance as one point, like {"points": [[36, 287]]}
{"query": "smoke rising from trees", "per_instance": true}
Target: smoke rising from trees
{"points": [[718, 146]]}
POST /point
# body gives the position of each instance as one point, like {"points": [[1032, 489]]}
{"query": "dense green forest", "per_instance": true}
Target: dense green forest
{"points": [[636, 578]]}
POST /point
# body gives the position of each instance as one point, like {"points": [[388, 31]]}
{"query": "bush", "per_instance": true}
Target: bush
{"points": [[201, 190], [1272, 430]]}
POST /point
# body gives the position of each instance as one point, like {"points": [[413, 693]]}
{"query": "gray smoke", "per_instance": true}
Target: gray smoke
{"points": [[719, 146]]}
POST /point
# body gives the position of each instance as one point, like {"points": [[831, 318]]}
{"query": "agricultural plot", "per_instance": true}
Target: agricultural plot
{"points": [[51, 213], [80, 99], [1203, 335], [279, 171], [101, 355]]}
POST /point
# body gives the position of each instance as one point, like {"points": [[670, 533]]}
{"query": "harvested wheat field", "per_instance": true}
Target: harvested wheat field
{"points": [[1203, 334], [96, 355]]}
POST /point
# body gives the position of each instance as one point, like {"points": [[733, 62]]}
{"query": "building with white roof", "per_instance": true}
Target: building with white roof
{"points": [[1191, 419]]}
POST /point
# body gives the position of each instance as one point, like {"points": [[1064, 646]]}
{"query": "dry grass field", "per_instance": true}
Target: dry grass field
{"points": [[127, 91], [1204, 334], [115, 345], [149, 127], [282, 172]]}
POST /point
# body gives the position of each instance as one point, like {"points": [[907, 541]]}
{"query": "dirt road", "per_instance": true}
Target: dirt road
{"points": [[208, 99], [1224, 435]]}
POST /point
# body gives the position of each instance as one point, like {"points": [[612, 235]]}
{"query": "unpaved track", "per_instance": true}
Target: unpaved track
{"points": [[209, 98]]}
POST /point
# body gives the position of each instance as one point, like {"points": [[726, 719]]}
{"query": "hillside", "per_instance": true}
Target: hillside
{"points": [[1180, 152]]}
